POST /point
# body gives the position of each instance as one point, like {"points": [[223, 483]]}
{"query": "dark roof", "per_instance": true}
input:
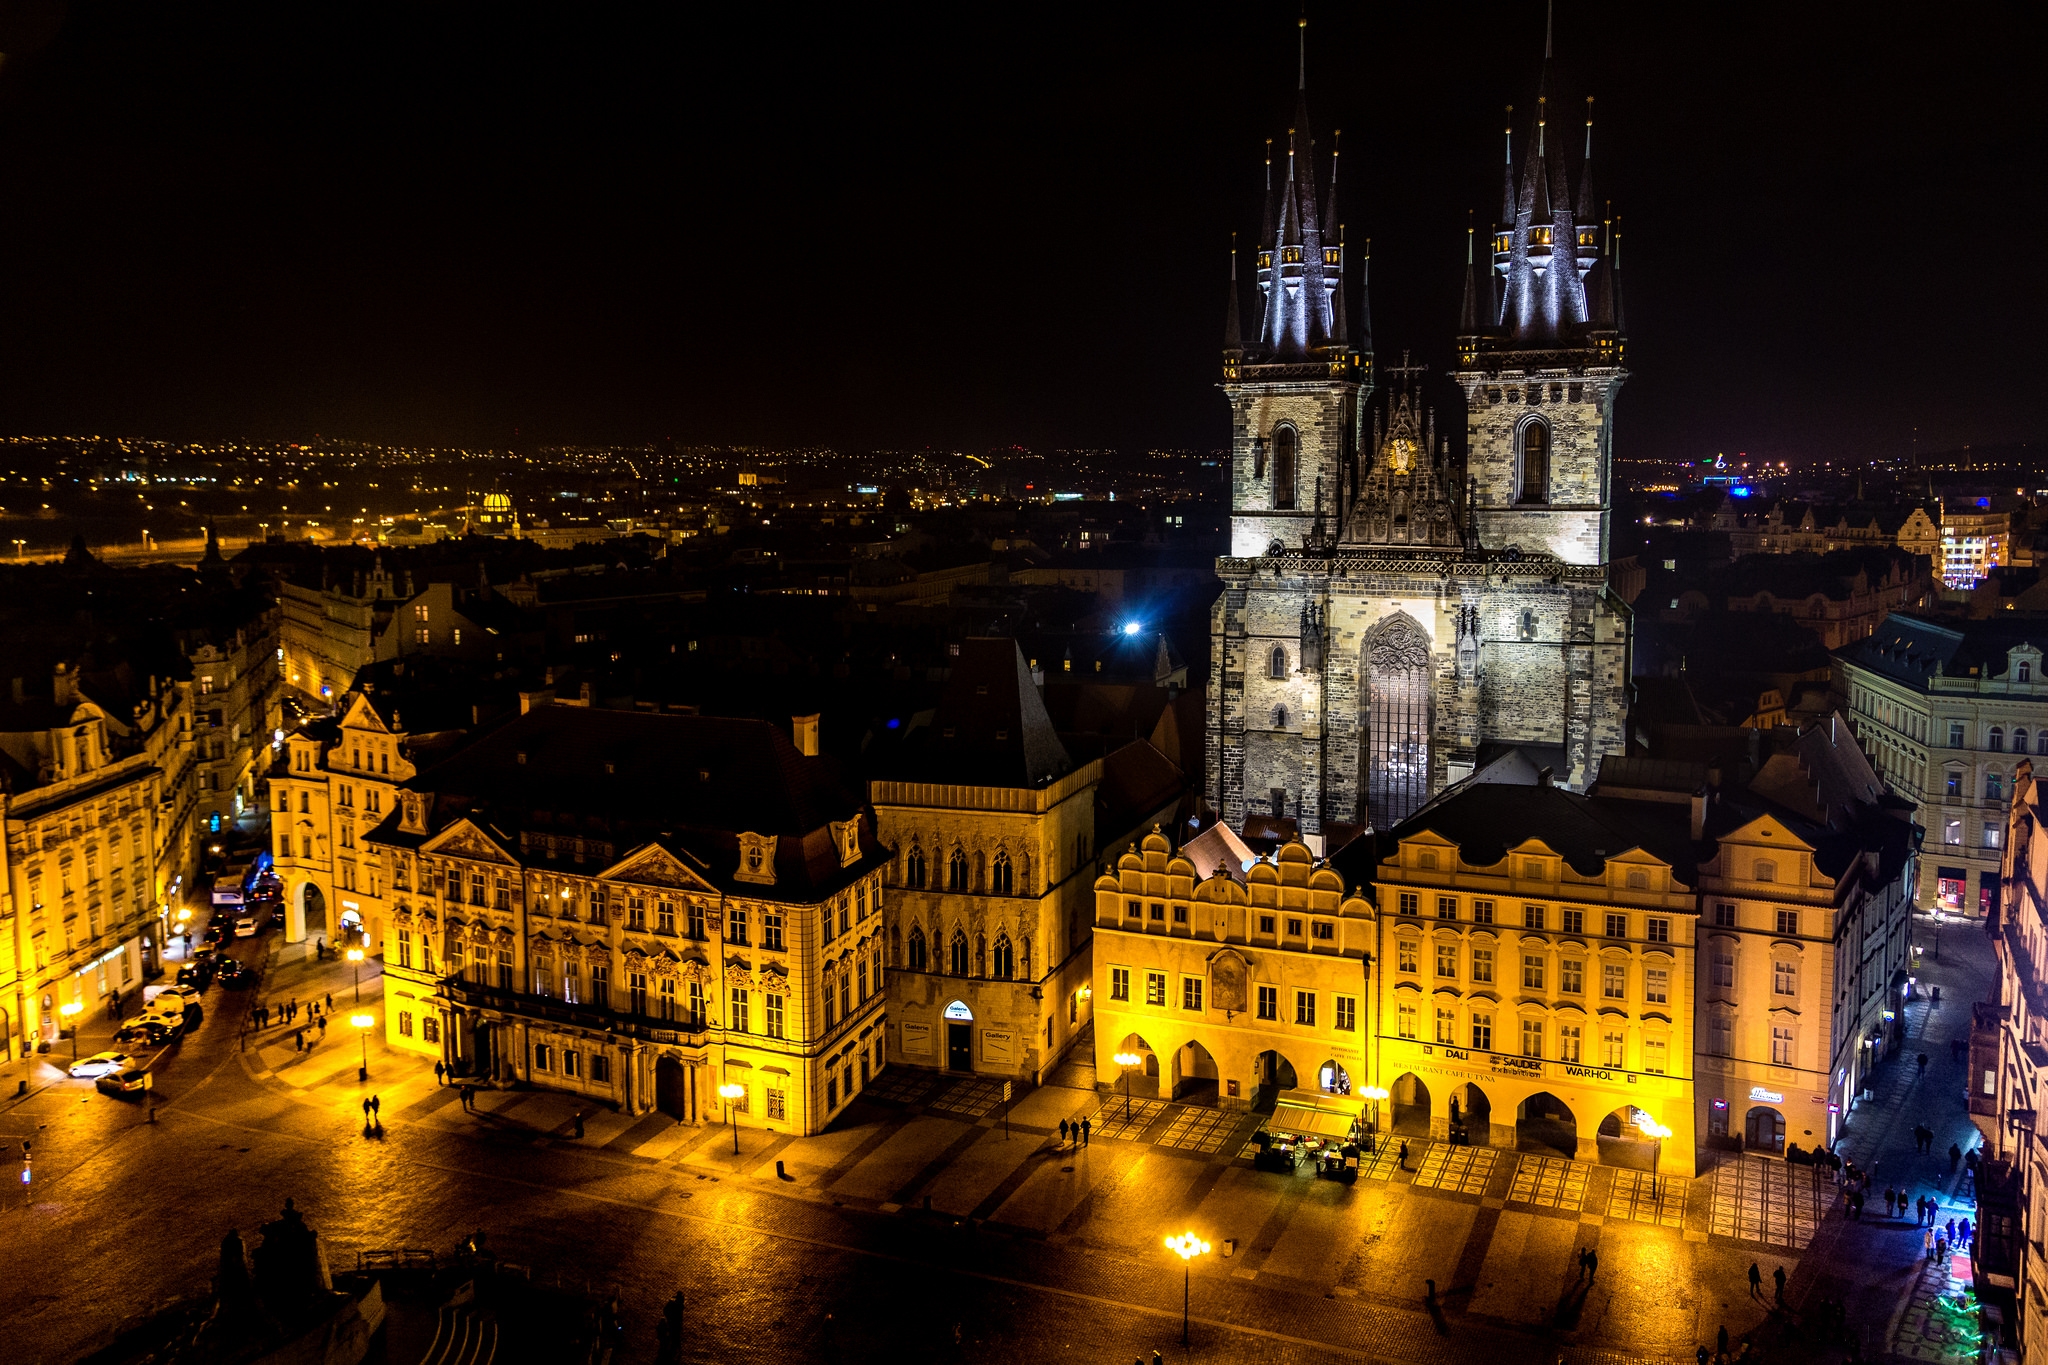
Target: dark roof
{"points": [[990, 728], [647, 769], [1137, 782], [1911, 649], [1487, 819]]}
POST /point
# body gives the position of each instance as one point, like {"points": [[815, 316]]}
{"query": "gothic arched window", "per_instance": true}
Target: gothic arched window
{"points": [[956, 871], [913, 868], [1284, 442], [1397, 671], [958, 966], [1004, 965], [1534, 464], [916, 949], [1277, 665], [999, 876]]}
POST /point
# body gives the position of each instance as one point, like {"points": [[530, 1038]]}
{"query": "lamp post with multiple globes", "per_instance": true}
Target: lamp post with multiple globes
{"points": [[1374, 1094], [363, 1023], [1127, 1060], [1187, 1246], [355, 957]]}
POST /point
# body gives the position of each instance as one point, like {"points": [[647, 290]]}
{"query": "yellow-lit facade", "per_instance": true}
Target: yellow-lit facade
{"points": [[1229, 984], [1550, 1007]]}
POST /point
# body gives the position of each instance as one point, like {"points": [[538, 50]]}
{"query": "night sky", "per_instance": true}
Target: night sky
{"points": [[864, 226]]}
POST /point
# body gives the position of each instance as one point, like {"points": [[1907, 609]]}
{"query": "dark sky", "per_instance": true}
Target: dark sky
{"points": [[869, 226]]}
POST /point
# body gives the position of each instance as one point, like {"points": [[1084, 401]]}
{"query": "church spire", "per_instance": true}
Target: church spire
{"points": [[1233, 332]]}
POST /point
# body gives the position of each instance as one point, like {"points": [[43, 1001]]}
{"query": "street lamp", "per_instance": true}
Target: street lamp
{"points": [[1128, 1060], [71, 1011], [355, 956], [1187, 1246], [1375, 1093], [364, 1023], [1656, 1132], [731, 1094]]}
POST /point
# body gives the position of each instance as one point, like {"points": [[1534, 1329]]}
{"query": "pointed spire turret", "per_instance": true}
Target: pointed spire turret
{"points": [[1233, 332]]}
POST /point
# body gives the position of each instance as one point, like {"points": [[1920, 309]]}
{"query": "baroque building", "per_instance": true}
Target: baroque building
{"points": [[638, 908], [1389, 618]]}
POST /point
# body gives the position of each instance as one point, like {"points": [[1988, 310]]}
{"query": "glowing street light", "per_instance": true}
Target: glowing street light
{"points": [[355, 957], [1187, 1246], [1127, 1060], [71, 1011], [364, 1023], [732, 1094], [1656, 1132]]}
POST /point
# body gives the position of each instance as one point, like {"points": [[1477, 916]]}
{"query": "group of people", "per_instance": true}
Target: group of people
{"points": [[263, 1016], [1080, 1130]]}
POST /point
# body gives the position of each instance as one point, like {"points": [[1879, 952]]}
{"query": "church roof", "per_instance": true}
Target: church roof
{"points": [[990, 729]]}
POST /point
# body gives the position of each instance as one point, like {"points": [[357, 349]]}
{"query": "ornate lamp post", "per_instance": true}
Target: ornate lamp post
{"points": [[731, 1095], [1656, 1132], [355, 957], [1128, 1060], [1187, 1246]]}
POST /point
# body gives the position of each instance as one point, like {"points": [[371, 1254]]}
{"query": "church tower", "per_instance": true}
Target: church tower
{"points": [[1540, 354], [1390, 624]]}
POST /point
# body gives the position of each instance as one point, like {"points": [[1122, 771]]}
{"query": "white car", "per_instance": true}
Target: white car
{"points": [[100, 1063], [245, 927], [174, 998]]}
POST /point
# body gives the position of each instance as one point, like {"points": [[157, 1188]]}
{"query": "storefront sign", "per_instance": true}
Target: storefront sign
{"points": [[1589, 1073], [1516, 1065], [917, 1039], [958, 1010], [1757, 1092], [996, 1045]]}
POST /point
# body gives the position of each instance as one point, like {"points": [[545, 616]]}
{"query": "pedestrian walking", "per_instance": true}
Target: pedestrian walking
{"points": [[1582, 1265], [1063, 1132], [1955, 1154], [1404, 1154], [330, 1002], [1087, 1132], [1721, 1340], [1779, 1276], [1964, 1228], [579, 1123], [1920, 1209], [1592, 1262], [1951, 1229], [1940, 1249], [1891, 1200], [366, 1110], [1756, 1279], [440, 1074], [1937, 995], [1923, 1064], [299, 1041], [323, 1028], [377, 1107]]}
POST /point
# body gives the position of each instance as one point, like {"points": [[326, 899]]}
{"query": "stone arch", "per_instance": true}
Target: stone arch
{"points": [[1272, 1073], [1332, 1078], [1622, 1141], [1409, 1103], [1000, 878], [913, 867], [1141, 1081], [1544, 1123], [1470, 1114], [1763, 1130], [1195, 1076], [958, 959], [1002, 962], [1396, 669], [956, 869], [310, 906]]}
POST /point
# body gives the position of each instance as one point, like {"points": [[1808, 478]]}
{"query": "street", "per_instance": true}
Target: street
{"points": [[915, 1229]]}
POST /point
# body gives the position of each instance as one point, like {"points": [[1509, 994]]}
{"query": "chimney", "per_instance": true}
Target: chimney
{"points": [[61, 690], [1699, 814], [1543, 777], [533, 701], [804, 731]]}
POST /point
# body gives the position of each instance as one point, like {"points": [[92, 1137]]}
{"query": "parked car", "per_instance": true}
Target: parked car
{"points": [[235, 977], [184, 993], [100, 1063], [149, 1031], [198, 975], [125, 1082], [245, 926]]}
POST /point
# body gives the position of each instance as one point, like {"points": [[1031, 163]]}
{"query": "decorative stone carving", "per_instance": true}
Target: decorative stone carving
{"points": [[1228, 975], [774, 981], [738, 974]]}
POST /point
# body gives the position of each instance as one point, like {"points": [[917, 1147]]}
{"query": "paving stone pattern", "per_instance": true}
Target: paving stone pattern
{"points": [[1456, 1169], [1549, 1182], [1778, 1204], [1640, 1197]]}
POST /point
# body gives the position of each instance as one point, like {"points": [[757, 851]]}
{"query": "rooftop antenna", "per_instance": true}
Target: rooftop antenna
{"points": [[1509, 133], [1589, 127], [1336, 148], [1549, 13], [1304, 51], [1541, 112], [1468, 236], [1607, 230]]}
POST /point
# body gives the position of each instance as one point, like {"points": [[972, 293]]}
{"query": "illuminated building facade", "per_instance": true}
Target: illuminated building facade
{"points": [[1389, 618], [641, 909], [994, 828], [1535, 983], [1946, 709], [1230, 984]]}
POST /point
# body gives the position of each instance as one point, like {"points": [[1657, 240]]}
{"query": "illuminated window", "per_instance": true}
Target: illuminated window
{"points": [[1534, 464], [1568, 1042], [1285, 446]]}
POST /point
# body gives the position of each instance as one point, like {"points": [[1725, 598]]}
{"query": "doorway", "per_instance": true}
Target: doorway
{"points": [[672, 1089], [960, 1047]]}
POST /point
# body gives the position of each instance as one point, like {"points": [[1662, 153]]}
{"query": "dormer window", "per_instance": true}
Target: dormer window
{"points": [[2026, 673]]}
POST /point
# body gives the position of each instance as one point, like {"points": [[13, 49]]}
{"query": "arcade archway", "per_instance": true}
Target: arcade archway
{"points": [[1471, 1116], [1272, 1073], [1194, 1075], [1410, 1105], [1764, 1131], [1623, 1141], [1544, 1123], [1140, 1080]]}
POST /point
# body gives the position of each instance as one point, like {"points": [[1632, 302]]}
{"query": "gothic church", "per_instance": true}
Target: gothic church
{"points": [[1390, 620]]}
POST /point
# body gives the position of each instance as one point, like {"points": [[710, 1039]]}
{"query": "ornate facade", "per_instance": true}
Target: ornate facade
{"points": [[1388, 618], [636, 908]]}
